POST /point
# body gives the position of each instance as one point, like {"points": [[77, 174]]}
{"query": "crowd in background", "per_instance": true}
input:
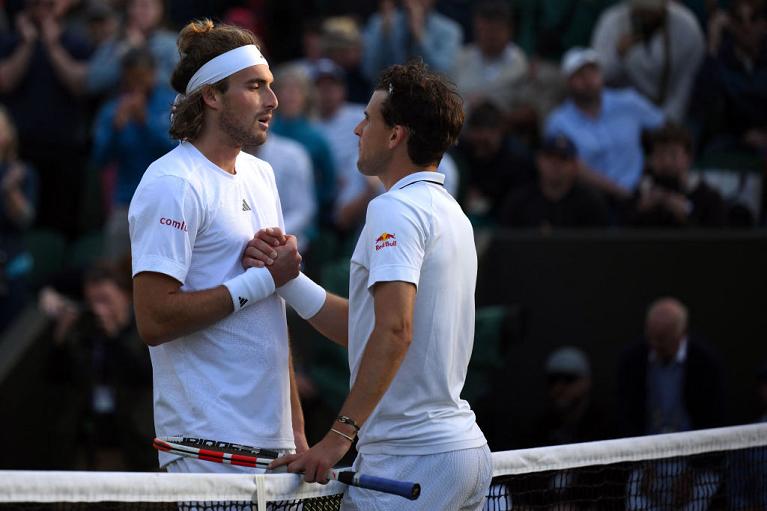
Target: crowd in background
{"points": [[613, 114]]}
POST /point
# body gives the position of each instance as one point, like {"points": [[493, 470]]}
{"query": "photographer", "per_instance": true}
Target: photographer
{"points": [[654, 46], [102, 359]]}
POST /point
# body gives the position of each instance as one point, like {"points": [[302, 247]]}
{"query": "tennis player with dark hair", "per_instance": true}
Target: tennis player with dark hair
{"points": [[410, 312], [217, 334]]}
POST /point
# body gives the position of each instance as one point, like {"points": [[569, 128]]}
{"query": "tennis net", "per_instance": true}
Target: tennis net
{"points": [[717, 469]]}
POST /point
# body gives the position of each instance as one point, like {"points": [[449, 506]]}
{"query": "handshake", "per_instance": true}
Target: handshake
{"points": [[278, 253], [275, 251]]}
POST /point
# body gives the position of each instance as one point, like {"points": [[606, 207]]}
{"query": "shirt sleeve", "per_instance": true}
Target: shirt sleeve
{"points": [[396, 241], [650, 116], [165, 216]]}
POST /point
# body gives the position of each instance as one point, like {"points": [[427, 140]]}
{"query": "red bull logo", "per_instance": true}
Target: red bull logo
{"points": [[386, 240]]}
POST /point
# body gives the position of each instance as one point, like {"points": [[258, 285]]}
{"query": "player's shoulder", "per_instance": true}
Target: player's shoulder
{"points": [[252, 166]]}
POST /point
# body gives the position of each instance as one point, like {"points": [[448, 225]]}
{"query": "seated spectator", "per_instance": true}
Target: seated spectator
{"points": [[18, 193], [295, 185], [142, 27], [669, 195], [606, 125], [493, 163], [557, 199], [669, 381], [489, 67], [654, 46], [730, 109], [131, 131], [41, 69], [341, 42], [571, 416], [295, 89], [394, 35]]}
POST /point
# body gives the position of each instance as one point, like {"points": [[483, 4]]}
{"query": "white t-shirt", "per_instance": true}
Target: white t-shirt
{"points": [[190, 219], [416, 232]]}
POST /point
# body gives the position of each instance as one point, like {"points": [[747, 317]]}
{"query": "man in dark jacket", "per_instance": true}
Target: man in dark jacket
{"points": [[669, 382]]}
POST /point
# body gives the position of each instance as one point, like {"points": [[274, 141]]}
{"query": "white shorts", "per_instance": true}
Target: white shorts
{"points": [[450, 481]]}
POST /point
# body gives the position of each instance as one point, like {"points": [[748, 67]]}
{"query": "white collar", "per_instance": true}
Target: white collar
{"points": [[432, 176]]}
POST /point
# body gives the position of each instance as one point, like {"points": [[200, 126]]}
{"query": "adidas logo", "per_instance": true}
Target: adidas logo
{"points": [[243, 301], [245, 206]]}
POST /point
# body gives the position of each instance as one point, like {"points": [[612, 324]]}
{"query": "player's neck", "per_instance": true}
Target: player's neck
{"points": [[401, 169], [218, 150]]}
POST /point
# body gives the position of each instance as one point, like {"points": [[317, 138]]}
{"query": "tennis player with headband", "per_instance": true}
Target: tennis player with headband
{"points": [[217, 334], [409, 320]]}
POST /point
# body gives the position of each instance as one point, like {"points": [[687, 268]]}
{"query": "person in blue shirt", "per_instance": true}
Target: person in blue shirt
{"points": [[605, 125], [131, 131], [395, 35]]}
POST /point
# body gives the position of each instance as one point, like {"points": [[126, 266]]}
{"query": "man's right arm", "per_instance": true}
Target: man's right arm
{"points": [[164, 312]]}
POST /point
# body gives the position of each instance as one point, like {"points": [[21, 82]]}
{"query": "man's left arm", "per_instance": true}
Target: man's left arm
{"points": [[394, 303]]}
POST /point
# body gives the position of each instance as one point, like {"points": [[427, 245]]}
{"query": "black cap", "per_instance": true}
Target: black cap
{"points": [[559, 145]]}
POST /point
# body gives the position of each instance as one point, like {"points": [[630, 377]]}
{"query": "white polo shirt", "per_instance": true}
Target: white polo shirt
{"points": [[416, 232], [190, 219]]}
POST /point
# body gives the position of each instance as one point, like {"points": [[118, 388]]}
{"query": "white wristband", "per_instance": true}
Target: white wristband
{"points": [[250, 287], [304, 295]]}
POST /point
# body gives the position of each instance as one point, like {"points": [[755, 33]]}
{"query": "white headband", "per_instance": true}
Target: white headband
{"points": [[226, 64]]}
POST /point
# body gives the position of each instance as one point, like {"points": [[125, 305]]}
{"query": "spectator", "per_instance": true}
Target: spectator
{"points": [[141, 28], [102, 23], [294, 89], [557, 199], [731, 102], [669, 381], [131, 131], [394, 35], [655, 46], [571, 416], [295, 185], [41, 70], [18, 192], [490, 66], [605, 125], [337, 119], [669, 195], [493, 162], [103, 357], [342, 43]]}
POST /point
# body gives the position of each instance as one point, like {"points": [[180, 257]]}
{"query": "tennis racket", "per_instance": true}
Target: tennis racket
{"points": [[246, 456]]}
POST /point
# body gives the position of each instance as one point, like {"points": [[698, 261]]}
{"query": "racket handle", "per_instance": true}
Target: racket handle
{"points": [[402, 488]]}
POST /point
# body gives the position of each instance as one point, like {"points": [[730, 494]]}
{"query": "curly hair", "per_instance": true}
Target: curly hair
{"points": [[425, 103], [198, 42]]}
